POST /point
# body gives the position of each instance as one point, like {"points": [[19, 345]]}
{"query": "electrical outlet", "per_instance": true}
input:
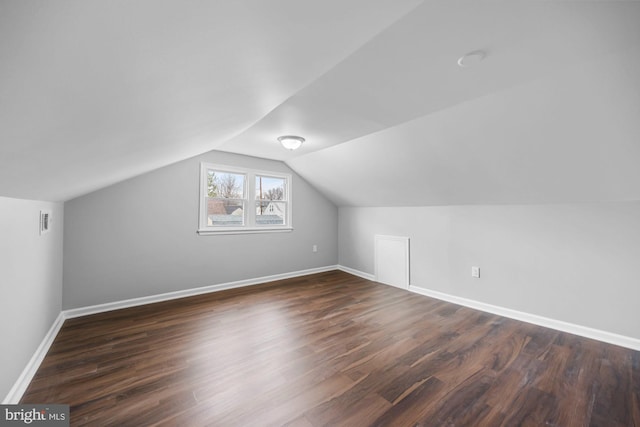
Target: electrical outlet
{"points": [[314, 248], [475, 272]]}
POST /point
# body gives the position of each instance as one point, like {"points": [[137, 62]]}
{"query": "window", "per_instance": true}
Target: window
{"points": [[234, 200], [271, 206]]}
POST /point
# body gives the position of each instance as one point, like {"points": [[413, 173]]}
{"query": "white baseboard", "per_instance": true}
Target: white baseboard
{"points": [[21, 384], [117, 305], [355, 272], [559, 325], [583, 331]]}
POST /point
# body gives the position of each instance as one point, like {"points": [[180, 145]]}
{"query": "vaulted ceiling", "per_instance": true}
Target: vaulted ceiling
{"points": [[94, 92]]}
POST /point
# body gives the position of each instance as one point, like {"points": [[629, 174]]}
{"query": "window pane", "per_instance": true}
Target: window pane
{"points": [[225, 212], [269, 188], [270, 212], [225, 185]]}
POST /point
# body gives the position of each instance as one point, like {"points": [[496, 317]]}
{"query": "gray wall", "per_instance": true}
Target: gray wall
{"points": [[576, 263], [30, 282], [138, 237]]}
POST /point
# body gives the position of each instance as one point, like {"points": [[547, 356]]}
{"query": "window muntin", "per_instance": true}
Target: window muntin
{"points": [[235, 200]]}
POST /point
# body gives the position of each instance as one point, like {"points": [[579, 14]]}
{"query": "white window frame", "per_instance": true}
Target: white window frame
{"points": [[249, 213]]}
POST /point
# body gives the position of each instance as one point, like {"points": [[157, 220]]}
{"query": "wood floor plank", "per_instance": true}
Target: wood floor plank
{"points": [[330, 349]]}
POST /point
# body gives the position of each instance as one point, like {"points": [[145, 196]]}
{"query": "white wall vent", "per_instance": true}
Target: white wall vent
{"points": [[45, 221], [392, 260]]}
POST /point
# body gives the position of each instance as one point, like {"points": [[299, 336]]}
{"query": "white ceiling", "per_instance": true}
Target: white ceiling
{"points": [[93, 92], [96, 91], [572, 137]]}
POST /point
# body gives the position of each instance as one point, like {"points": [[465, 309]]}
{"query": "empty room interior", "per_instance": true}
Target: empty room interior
{"points": [[321, 213]]}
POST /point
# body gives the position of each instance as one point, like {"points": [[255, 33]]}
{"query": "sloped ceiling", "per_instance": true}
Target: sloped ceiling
{"points": [[95, 92], [573, 137]]}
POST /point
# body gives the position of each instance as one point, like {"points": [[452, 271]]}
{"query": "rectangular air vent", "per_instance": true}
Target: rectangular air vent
{"points": [[45, 222], [392, 260]]}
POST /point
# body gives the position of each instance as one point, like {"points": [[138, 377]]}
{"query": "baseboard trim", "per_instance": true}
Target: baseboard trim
{"points": [[20, 386], [559, 325], [133, 302], [23, 381], [583, 331], [355, 272]]}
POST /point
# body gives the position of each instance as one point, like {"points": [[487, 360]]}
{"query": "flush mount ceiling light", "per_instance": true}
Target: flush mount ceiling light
{"points": [[471, 59], [291, 142]]}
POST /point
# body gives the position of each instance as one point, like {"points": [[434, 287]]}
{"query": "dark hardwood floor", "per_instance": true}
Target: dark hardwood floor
{"points": [[331, 349]]}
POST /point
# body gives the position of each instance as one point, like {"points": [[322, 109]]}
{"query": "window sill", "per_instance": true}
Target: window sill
{"points": [[210, 232]]}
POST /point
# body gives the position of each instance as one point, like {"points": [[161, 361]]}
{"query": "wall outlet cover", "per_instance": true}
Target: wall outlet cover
{"points": [[475, 272]]}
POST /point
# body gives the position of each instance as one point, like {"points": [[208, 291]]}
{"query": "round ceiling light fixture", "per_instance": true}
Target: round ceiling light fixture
{"points": [[471, 59], [291, 142]]}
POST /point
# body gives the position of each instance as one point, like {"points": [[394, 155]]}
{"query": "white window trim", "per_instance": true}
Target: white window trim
{"points": [[250, 191]]}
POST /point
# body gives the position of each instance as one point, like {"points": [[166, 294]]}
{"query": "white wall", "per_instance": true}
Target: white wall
{"points": [[576, 263], [30, 282], [138, 238]]}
